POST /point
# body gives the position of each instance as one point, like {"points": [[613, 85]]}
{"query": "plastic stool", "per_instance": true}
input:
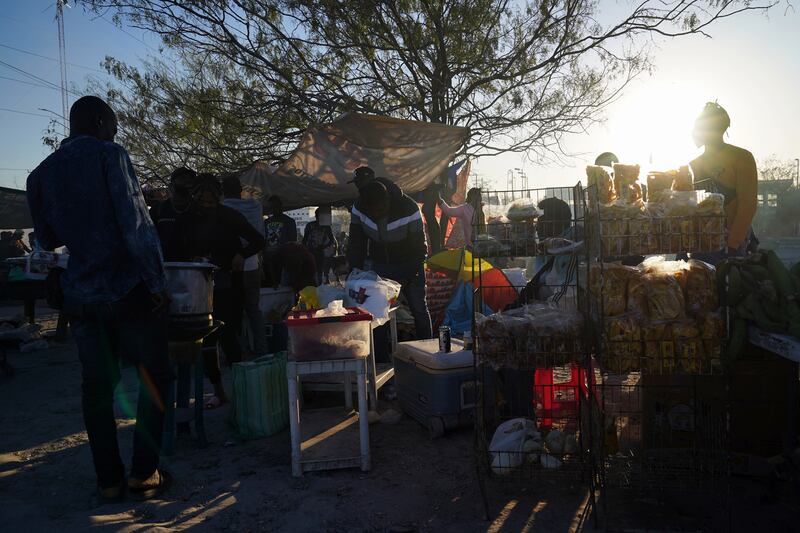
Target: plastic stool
{"points": [[295, 369]]}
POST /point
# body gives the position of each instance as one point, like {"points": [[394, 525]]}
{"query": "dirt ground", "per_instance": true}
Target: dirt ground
{"points": [[416, 484]]}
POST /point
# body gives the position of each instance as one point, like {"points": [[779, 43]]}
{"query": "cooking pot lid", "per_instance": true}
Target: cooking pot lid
{"points": [[179, 264]]}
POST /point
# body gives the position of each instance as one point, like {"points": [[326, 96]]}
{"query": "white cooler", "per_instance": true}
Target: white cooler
{"points": [[436, 389]]}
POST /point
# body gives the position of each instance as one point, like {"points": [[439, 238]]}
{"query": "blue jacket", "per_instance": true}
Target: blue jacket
{"points": [[85, 196]]}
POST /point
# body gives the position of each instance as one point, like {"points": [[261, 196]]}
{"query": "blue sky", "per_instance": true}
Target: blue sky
{"points": [[750, 66]]}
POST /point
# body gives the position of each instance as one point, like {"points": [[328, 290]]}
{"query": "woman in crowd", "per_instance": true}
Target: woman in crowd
{"points": [[469, 216]]}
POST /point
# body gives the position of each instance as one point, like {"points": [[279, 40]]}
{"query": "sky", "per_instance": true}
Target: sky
{"points": [[750, 66]]}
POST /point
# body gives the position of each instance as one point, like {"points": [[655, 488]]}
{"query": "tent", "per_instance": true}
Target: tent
{"points": [[450, 284], [14, 212], [412, 154]]}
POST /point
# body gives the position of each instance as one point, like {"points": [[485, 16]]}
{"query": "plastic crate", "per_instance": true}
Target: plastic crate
{"points": [[314, 338]]}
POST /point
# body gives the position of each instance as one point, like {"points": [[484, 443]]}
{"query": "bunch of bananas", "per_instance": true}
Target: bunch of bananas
{"points": [[759, 289]]}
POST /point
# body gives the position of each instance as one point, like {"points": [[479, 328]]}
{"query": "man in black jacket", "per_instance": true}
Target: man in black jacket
{"points": [[387, 236]]}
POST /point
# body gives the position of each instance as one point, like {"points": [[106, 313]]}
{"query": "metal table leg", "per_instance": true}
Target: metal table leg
{"points": [[294, 419], [168, 439], [199, 425], [363, 419]]}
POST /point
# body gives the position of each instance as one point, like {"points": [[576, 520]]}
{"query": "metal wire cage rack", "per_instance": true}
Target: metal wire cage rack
{"points": [[532, 358]]}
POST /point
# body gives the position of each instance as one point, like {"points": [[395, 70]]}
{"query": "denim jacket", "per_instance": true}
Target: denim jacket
{"points": [[85, 196]]}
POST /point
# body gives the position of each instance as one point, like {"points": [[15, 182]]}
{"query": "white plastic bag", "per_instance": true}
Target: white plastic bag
{"points": [[329, 293], [371, 293], [506, 451]]}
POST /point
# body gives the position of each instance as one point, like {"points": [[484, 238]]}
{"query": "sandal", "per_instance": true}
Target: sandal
{"points": [[150, 488], [214, 402], [114, 494]]}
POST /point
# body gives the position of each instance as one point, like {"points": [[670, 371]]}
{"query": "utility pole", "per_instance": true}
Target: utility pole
{"points": [[797, 175], [62, 60]]}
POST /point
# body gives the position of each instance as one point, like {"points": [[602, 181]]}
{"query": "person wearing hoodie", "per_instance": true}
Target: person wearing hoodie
{"points": [[387, 236], [253, 211]]}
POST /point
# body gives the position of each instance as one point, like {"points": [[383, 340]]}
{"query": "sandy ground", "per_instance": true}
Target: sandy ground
{"points": [[416, 484]]}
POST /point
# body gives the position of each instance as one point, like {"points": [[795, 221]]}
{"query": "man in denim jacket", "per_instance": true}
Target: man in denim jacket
{"points": [[86, 196]]}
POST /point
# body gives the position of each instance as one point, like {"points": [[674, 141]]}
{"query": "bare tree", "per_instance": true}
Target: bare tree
{"points": [[521, 75], [774, 168]]}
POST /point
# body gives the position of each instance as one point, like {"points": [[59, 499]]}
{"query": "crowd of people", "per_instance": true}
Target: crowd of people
{"points": [[86, 196]]}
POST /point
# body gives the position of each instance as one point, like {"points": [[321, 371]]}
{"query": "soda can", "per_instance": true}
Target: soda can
{"points": [[444, 339]]}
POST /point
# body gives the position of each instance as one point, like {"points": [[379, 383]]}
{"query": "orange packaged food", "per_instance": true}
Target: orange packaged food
{"points": [[637, 296], [710, 223], [624, 175], [659, 348]]}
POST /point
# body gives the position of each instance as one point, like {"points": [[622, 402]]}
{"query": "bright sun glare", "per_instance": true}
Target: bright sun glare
{"points": [[654, 126]]}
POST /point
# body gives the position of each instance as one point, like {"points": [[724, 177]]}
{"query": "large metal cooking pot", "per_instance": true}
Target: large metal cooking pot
{"points": [[191, 287]]}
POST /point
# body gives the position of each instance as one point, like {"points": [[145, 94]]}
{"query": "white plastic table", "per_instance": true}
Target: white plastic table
{"points": [[295, 369]]}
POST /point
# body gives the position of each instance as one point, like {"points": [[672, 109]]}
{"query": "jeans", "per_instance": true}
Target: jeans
{"points": [[104, 333], [228, 308], [252, 297], [412, 281]]}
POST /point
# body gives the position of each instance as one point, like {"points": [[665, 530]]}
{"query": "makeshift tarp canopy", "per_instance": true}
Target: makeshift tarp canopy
{"points": [[449, 277], [410, 153], [14, 212]]}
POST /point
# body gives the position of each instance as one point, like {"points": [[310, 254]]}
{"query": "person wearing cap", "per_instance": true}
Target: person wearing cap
{"points": [[729, 170], [253, 211], [364, 175], [387, 236]]}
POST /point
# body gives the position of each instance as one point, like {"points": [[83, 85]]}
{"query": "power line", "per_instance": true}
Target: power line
{"points": [[50, 84], [31, 83], [20, 50], [9, 110]]}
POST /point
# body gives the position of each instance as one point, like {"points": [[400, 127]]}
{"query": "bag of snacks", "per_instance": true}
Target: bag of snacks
{"points": [[701, 287], [644, 229], [664, 297], [659, 348], [678, 227], [614, 279], [623, 347], [637, 296], [712, 331], [710, 223], [688, 347], [613, 231], [599, 178]]}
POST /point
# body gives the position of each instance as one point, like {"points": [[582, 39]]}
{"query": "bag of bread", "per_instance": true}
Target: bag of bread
{"points": [[624, 175], [664, 297], [637, 296], [659, 265], [659, 348], [689, 354], [601, 186], [608, 283], [710, 223], [682, 179], [623, 345], [701, 288], [494, 343]]}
